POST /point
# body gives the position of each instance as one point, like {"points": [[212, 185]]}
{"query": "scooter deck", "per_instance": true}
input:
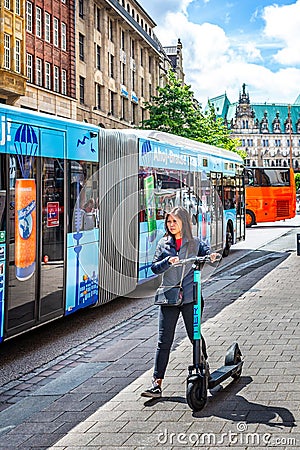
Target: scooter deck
{"points": [[222, 374]]}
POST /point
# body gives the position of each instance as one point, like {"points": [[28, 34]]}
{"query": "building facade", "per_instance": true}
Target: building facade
{"points": [[269, 132], [119, 62], [12, 51], [50, 57], [96, 61]]}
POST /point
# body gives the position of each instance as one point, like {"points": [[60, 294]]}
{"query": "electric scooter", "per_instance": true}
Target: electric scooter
{"points": [[199, 379]]}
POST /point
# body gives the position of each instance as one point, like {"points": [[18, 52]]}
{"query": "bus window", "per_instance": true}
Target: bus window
{"points": [[249, 180], [83, 198], [271, 177], [229, 192]]}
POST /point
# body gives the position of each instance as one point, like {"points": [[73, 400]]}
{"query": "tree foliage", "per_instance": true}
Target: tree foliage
{"points": [[174, 110], [297, 180]]}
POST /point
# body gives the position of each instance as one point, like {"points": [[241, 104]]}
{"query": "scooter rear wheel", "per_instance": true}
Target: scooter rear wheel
{"points": [[196, 393], [234, 356]]}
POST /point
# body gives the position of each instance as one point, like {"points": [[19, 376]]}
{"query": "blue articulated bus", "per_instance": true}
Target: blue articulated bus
{"points": [[82, 209]]}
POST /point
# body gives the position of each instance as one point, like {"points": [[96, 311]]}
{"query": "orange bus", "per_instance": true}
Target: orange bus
{"points": [[270, 194]]}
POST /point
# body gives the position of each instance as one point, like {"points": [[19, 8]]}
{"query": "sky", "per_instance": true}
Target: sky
{"points": [[228, 43]]}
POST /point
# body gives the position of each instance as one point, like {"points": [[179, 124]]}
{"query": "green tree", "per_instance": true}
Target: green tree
{"points": [[297, 180], [174, 110]]}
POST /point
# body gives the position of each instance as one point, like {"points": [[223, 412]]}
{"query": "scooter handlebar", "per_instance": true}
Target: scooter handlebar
{"points": [[197, 260]]}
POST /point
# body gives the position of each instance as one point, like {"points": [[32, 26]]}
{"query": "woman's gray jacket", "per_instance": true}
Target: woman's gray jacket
{"points": [[166, 248]]}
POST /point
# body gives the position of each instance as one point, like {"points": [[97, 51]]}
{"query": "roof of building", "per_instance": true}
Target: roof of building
{"points": [[225, 109], [221, 104]]}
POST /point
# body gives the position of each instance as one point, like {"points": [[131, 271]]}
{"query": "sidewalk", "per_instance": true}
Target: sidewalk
{"points": [[258, 411], [90, 397]]}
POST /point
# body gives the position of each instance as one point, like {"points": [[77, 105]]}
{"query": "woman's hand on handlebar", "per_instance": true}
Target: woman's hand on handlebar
{"points": [[214, 257], [174, 260]]}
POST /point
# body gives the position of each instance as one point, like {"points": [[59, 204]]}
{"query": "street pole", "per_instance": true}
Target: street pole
{"points": [[290, 131]]}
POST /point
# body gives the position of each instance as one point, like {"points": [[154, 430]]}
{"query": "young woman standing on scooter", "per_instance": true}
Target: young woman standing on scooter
{"points": [[177, 244]]}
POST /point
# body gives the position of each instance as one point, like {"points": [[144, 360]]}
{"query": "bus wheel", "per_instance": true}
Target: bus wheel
{"points": [[250, 218], [229, 241]]}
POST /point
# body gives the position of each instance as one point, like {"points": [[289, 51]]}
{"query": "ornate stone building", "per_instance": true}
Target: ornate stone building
{"points": [[269, 132]]}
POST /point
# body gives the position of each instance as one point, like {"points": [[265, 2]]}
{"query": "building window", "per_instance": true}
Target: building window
{"points": [[122, 73], [133, 80], [6, 51], [29, 17], [265, 142], [38, 22], [29, 68], [64, 36], [56, 79], [98, 57], [18, 7], [18, 55], [142, 87], [39, 72], [55, 32], [150, 64], [97, 18], [124, 103], [98, 95], [150, 91], [81, 47], [47, 76], [47, 27], [7, 4], [142, 57], [81, 90], [132, 48], [277, 142], [110, 30], [133, 113], [64, 82], [80, 8], [112, 103], [111, 65], [123, 40]]}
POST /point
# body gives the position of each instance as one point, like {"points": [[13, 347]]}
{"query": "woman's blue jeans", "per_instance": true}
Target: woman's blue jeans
{"points": [[168, 318]]}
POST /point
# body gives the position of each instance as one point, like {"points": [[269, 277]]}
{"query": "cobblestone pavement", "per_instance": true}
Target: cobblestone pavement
{"points": [[90, 397]]}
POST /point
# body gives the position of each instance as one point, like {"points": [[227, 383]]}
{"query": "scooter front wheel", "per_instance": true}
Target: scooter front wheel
{"points": [[196, 392]]}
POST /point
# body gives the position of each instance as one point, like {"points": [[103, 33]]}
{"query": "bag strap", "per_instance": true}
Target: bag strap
{"points": [[183, 269]]}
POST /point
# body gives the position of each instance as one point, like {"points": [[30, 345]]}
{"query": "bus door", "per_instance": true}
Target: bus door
{"points": [[35, 237], [3, 226], [216, 209], [22, 232], [240, 204], [52, 239]]}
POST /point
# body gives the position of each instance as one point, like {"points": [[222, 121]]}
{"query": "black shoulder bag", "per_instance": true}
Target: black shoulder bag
{"points": [[170, 295]]}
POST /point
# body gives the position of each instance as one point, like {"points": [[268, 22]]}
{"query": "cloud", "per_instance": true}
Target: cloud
{"points": [[158, 8], [215, 63], [282, 26]]}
